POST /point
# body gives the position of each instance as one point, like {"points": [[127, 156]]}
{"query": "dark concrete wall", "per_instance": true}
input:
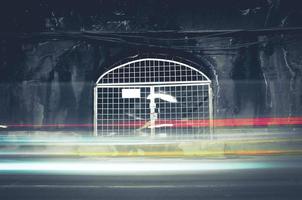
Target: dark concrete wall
{"points": [[50, 82]]}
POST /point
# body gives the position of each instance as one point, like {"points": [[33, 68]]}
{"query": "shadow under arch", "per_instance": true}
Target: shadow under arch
{"points": [[128, 55]]}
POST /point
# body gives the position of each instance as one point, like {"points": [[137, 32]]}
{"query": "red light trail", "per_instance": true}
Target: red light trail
{"points": [[229, 122]]}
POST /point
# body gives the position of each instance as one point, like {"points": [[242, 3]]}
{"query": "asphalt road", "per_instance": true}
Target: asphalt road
{"points": [[221, 178]]}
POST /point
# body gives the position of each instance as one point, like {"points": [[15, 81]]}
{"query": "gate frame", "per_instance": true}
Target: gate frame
{"points": [[151, 85]]}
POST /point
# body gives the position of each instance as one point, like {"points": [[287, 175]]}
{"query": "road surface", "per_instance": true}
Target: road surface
{"points": [[278, 177]]}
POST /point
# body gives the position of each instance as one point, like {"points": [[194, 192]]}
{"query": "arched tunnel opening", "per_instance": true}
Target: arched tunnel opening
{"points": [[153, 97]]}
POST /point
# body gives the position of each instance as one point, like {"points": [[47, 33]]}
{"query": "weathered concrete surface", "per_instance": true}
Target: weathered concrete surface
{"points": [[51, 82]]}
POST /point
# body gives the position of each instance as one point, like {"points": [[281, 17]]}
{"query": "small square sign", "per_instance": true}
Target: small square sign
{"points": [[131, 93]]}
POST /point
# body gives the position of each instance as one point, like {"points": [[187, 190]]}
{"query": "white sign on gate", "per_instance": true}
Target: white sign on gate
{"points": [[131, 93]]}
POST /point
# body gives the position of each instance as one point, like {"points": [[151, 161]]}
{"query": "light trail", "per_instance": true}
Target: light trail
{"points": [[92, 141], [230, 122], [126, 167], [156, 154]]}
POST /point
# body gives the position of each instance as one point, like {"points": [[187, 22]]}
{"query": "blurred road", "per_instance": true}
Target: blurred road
{"points": [[278, 177]]}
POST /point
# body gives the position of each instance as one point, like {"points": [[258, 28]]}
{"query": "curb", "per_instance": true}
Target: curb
{"points": [[205, 148]]}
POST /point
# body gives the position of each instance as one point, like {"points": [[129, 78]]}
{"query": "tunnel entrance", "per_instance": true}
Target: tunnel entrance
{"points": [[153, 97]]}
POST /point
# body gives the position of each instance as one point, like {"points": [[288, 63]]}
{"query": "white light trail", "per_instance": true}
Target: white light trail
{"points": [[85, 167]]}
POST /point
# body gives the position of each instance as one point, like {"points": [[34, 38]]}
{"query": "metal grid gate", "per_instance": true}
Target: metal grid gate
{"points": [[153, 97]]}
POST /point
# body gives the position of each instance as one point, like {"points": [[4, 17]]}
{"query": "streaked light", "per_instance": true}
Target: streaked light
{"points": [[124, 167], [161, 125], [229, 122]]}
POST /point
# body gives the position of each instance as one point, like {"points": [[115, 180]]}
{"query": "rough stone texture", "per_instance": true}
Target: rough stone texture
{"points": [[50, 82]]}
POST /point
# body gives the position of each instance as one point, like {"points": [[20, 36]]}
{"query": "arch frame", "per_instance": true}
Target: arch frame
{"points": [[207, 79]]}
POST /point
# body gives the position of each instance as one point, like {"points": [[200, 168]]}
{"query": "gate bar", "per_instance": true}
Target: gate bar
{"points": [[95, 111], [152, 106], [211, 111]]}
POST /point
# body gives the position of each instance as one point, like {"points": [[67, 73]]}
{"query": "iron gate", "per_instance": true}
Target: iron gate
{"points": [[153, 97]]}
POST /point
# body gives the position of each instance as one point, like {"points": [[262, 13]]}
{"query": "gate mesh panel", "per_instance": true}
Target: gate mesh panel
{"points": [[119, 116], [188, 116]]}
